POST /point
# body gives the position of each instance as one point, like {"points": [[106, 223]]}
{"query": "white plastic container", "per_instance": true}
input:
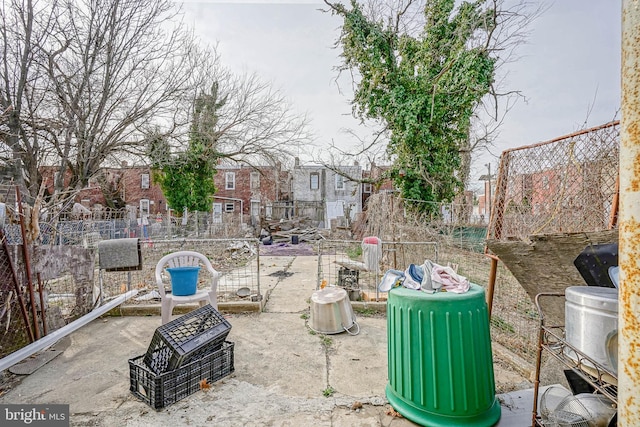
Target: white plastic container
{"points": [[591, 320]]}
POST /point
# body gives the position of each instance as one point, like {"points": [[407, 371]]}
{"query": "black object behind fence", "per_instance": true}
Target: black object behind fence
{"points": [[594, 262]]}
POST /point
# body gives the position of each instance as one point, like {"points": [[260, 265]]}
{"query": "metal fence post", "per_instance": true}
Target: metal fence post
{"points": [[629, 228]]}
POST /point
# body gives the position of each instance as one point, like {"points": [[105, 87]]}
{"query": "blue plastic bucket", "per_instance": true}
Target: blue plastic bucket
{"points": [[184, 280]]}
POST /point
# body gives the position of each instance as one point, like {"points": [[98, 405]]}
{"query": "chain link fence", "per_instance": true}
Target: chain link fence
{"points": [[555, 191], [344, 263], [565, 185], [67, 282], [456, 236], [237, 261], [107, 224], [16, 314]]}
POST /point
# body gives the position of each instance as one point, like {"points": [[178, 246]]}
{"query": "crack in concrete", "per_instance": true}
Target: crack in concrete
{"points": [[282, 275], [327, 359]]}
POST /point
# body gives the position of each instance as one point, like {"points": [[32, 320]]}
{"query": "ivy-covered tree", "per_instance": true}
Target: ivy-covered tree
{"points": [[188, 181], [187, 178], [424, 86]]}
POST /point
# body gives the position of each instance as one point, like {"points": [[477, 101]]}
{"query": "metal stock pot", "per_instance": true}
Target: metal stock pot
{"points": [[331, 312]]}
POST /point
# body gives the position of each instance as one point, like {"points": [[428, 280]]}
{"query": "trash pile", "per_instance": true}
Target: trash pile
{"points": [[428, 277], [293, 230]]}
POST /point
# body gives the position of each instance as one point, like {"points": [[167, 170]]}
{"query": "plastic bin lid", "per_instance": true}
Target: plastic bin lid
{"points": [[593, 296]]}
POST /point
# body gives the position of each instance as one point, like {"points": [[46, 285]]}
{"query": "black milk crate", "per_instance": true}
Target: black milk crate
{"points": [[160, 390], [188, 337]]}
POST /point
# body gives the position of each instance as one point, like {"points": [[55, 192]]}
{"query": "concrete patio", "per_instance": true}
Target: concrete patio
{"points": [[284, 374]]}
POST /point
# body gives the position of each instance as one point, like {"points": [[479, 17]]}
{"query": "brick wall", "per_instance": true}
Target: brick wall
{"points": [[272, 185]]}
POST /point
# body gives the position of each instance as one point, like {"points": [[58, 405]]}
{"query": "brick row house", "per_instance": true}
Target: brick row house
{"points": [[129, 187], [245, 194]]}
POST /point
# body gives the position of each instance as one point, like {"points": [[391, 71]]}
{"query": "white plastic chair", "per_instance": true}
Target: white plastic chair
{"points": [[202, 296]]}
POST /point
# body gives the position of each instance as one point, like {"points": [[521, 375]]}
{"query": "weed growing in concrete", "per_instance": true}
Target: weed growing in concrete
{"points": [[312, 332], [304, 316], [328, 392], [326, 341]]}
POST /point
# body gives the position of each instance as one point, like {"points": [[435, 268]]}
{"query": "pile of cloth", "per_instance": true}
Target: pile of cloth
{"points": [[428, 277]]}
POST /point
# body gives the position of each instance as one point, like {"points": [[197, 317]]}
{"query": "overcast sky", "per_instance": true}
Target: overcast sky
{"points": [[569, 70]]}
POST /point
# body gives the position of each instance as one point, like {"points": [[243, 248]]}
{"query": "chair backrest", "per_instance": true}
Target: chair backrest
{"points": [[182, 259]]}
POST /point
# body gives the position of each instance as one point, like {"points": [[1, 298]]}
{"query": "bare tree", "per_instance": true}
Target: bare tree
{"points": [[256, 123], [120, 66], [83, 83], [23, 90], [81, 80]]}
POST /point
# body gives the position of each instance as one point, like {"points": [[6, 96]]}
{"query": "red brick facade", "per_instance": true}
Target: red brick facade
{"points": [[125, 184], [239, 189], [264, 185]]}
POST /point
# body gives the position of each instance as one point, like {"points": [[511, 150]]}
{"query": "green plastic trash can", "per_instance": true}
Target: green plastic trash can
{"points": [[440, 364]]}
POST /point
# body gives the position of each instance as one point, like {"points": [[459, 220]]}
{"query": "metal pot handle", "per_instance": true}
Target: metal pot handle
{"points": [[354, 324]]}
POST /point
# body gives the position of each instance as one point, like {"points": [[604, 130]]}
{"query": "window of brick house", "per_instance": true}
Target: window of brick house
{"points": [[229, 207], [254, 180], [366, 187], [145, 207], [314, 181], [144, 180], [230, 180], [339, 182]]}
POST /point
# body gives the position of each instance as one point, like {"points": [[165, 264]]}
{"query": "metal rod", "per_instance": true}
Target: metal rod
{"points": [[262, 302], [43, 310], [492, 283], [487, 202], [615, 203], [629, 221], [560, 138], [541, 326], [53, 337], [495, 221], [18, 289], [27, 266], [536, 381]]}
